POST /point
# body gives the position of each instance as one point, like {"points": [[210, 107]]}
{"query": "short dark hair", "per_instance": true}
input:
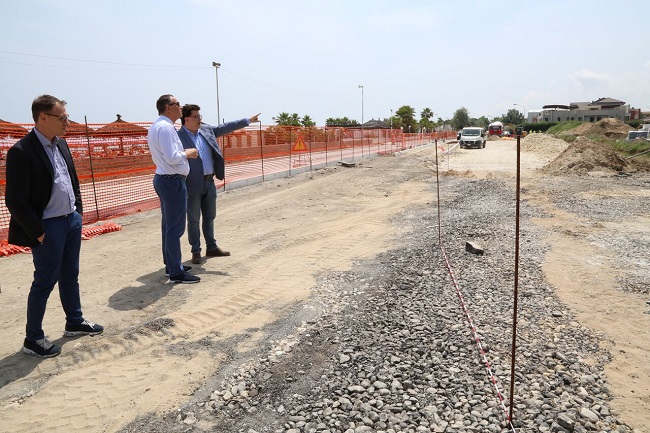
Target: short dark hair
{"points": [[163, 102], [186, 111], [44, 103]]}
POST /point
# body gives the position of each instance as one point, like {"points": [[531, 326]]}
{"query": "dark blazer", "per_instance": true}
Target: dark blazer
{"points": [[30, 177], [195, 179]]}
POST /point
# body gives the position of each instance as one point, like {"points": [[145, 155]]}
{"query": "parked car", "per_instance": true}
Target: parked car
{"points": [[472, 137], [641, 133]]}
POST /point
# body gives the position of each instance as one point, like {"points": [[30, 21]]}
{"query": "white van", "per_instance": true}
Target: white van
{"points": [[472, 136]]}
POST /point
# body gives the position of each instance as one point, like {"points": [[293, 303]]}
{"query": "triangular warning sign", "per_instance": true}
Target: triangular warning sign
{"points": [[299, 146]]}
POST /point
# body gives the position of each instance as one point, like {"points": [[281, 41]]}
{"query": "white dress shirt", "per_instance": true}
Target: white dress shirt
{"points": [[166, 148]]}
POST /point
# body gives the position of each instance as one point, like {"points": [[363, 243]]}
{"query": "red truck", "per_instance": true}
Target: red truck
{"points": [[495, 128]]}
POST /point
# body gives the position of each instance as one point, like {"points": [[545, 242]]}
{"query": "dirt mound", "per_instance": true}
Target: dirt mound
{"points": [[543, 143], [584, 156], [612, 128], [639, 163], [493, 138]]}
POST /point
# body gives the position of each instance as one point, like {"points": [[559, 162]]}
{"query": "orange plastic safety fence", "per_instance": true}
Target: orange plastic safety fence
{"points": [[7, 249], [107, 227], [116, 171]]}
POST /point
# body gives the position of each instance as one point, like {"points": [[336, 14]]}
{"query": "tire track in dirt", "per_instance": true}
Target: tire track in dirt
{"points": [[137, 369]]}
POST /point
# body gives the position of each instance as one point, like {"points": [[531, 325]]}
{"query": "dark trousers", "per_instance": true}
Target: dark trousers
{"points": [[202, 207], [173, 205], [56, 260]]}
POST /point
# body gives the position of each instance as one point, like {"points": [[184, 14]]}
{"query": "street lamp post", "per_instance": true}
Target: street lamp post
{"points": [[391, 128], [216, 71], [361, 87]]}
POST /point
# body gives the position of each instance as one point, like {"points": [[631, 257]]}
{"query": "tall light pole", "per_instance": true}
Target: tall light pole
{"points": [[216, 71], [361, 87], [524, 107]]}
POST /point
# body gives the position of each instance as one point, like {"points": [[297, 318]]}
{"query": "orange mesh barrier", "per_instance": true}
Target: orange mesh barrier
{"points": [[107, 227], [116, 171]]}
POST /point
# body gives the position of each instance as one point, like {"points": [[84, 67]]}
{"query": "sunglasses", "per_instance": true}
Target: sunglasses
{"points": [[63, 117]]}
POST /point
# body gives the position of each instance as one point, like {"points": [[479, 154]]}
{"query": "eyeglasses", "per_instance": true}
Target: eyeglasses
{"points": [[62, 117], [178, 104], [197, 117]]}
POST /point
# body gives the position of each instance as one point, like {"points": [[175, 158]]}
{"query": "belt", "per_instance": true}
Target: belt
{"points": [[177, 176], [60, 216], [208, 177]]}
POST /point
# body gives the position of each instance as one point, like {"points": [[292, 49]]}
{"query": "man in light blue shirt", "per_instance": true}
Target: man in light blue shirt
{"points": [[172, 168], [201, 190]]}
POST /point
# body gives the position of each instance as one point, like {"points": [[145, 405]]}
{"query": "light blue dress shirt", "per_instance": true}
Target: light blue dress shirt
{"points": [[62, 199], [204, 151]]}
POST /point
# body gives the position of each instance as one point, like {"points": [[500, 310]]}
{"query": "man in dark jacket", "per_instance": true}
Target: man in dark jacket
{"points": [[44, 200], [201, 190]]}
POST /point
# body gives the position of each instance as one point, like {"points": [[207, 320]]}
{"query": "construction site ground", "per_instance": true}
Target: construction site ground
{"points": [[165, 343]]}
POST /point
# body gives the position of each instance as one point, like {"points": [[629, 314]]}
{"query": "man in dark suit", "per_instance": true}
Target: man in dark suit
{"points": [[201, 190], [44, 200]]}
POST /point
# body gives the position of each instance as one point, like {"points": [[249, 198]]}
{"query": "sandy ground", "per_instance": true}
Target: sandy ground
{"points": [[282, 235]]}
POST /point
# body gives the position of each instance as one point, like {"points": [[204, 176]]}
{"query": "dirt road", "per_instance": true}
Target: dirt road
{"points": [[163, 341]]}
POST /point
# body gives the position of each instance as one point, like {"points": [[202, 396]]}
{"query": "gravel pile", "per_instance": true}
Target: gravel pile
{"points": [[387, 347]]}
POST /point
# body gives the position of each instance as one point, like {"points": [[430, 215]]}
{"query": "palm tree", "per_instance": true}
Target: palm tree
{"points": [[294, 120], [407, 114], [282, 119]]}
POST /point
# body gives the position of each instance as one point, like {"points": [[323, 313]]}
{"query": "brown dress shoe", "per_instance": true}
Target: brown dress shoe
{"points": [[196, 258], [217, 252]]}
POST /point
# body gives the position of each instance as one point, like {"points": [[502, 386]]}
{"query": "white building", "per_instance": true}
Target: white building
{"points": [[582, 111]]}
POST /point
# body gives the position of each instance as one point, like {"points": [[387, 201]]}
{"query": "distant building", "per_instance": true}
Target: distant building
{"points": [[594, 111], [375, 124]]}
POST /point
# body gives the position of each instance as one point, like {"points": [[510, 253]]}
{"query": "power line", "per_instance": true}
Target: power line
{"points": [[178, 67], [78, 67], [102, 62]]}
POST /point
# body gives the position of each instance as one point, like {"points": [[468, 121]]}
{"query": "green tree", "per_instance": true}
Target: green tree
{"points": [[483, 122], [513, 116], [425, 119], [295, 119], [282, 119], [406, 113], [460, 119], [286, 119], [307, 122], [394, 122], [340, 121]]}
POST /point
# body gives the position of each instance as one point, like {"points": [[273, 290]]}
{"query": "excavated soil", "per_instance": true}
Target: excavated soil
{"points": [[611, 128], [585, 155]]}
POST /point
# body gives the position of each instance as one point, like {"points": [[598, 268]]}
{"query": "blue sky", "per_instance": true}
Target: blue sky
{"points": [[309, 57]]}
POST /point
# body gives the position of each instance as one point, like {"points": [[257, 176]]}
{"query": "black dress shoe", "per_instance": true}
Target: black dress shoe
{"points": [[185, 269], [217, 252]]}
